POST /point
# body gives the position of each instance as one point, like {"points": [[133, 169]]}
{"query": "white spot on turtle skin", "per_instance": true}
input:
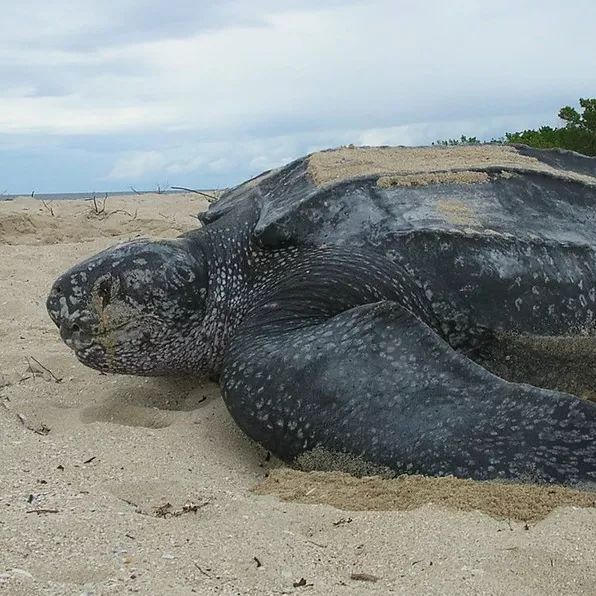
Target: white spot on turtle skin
{"points": [[518, 302], [230, 298], [64, 311]]}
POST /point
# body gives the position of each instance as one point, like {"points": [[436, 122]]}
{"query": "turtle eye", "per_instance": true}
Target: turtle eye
{"points": [[104, 292]]}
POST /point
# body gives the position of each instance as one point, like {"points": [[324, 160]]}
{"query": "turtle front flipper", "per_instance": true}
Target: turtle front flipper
{"points": [[377, 384]]}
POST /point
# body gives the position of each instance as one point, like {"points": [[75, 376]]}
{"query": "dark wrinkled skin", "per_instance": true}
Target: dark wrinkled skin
{"points": [[341, 329], [127, 301]]}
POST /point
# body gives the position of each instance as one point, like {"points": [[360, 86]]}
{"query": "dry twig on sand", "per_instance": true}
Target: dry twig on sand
{"points": [[364, 577], [132, 216], [99, 209], [38, 368], [49, 207], [42, 511], [210, 198]]}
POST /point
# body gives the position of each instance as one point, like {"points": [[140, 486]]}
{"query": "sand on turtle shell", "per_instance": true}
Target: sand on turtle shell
{"points": [[111, 484], [413, 166], [428, 178]]}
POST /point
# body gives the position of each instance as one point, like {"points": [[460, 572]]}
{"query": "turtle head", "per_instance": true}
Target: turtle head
{"points": [[137, 308]]}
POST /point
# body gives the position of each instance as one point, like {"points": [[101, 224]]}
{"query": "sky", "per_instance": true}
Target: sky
{"points": [[104, 95]]}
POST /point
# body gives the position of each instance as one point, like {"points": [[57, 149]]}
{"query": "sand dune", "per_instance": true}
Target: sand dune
{"points": [[114, 484]]}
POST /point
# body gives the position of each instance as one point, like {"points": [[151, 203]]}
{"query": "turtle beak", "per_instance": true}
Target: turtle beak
{"points": [[69, 315], [56, 304]]}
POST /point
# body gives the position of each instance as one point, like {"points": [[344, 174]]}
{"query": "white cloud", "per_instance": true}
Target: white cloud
{"points": [[231, 86], [183, 165], [69, 116], [381, 63], [136, 165]]}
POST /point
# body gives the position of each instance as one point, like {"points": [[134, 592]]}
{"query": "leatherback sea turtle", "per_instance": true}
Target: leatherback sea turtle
{"points": [[341, 301]]}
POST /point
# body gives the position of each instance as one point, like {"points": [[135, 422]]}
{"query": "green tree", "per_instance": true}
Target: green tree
{"points": [[463, 140], [577, 134], [585, 121]]}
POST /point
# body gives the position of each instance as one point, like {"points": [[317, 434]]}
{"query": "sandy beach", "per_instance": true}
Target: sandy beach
{"points": [[115, 484]]}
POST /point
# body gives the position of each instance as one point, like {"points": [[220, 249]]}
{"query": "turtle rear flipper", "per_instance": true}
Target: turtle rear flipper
{"points": [[376, 383]]}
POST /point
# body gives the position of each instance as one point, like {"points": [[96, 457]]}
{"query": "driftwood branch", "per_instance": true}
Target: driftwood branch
{"points": [[42, 367], [48, 207], [132, 216], [209, 197], [97, 209]]}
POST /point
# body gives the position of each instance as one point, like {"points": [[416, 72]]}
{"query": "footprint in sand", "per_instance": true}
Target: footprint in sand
{"points": [[127, 415], [175, 394], [155, 405]]}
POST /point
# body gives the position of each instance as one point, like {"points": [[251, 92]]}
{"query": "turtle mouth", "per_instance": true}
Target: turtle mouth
{"points": [[107, 332], [98, 349], [93, 355], [109, 339], [121, 348], [80, 340]]}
